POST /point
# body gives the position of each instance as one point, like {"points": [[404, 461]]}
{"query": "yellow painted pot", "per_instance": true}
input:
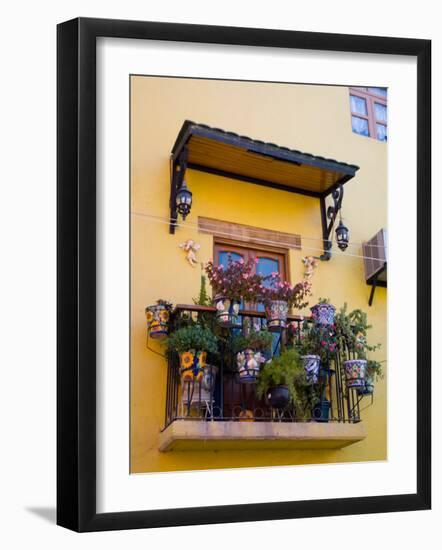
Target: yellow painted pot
{"points": [[192, 365]]}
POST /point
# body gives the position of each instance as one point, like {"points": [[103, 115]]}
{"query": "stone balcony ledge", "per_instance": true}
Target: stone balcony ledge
{"points": [[196, 435]]}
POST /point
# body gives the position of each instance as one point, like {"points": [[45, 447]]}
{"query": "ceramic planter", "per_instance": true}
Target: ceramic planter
{"points": [[278, 397], [355, 373], [157, 317], [192, 364], [312, 364], [323, 314], [249, 362], [227, 312], [276, 313], [321, 412], [368, 387], [202, 390]]}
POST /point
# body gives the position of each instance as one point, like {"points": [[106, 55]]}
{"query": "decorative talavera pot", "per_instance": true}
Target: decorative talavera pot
{"points": [[249, 362], [321, 411], [276, 314], [209, 378], [192, 364], [157, 317], [278, 397], [368, 387], [201, 392], [227, 312], [323, 314], [312, 364], [355, 373]]}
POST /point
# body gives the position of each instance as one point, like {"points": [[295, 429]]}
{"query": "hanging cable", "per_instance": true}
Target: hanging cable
{"points": [[205, 231]]}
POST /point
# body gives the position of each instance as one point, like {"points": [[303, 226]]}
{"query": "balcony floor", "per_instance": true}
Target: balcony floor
{"points": [[196, 435]]}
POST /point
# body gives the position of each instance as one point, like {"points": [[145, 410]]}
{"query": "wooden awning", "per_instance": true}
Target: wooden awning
{"points": [[227, 154]]}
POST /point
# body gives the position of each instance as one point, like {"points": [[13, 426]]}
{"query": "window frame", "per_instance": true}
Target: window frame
{"points": [[238, 246], [370, 99]]}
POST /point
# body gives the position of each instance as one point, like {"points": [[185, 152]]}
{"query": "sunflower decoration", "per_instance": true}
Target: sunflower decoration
{"points": [[149, 316], [164, 316], [186, 358]]}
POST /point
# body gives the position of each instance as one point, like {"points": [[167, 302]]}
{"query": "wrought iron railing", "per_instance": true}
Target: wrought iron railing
{"points": [[220, 396]]}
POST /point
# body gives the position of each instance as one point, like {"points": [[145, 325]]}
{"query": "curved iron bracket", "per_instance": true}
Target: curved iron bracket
{"points": [[328, 218], [177, 172]]}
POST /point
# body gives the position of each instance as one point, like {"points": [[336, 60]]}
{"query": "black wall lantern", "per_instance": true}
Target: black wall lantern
{"points": [[184, 200], [342, 235]]}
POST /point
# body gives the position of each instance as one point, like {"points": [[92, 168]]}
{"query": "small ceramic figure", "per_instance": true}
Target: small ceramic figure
{"points": [[191, 248]]}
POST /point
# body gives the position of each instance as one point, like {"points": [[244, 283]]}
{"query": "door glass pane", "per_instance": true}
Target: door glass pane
{"points": [[358, 105], [378, 91], [381, 132], [380, 112], [267, 266], [223, 257], [360, 126]]}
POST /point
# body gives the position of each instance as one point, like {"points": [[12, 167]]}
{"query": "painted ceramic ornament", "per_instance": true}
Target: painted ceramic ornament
{"points": [[199, 390], [323, 314], [368, 388], [276, 313], [192, 364], [355, 373], [191, 248], [227, 312], [312, 365], [249, 363], [157, 317]]}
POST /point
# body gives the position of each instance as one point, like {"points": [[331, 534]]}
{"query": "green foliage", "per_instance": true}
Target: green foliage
{"points": [[311, 339], [203, 298], [257, 340], [351, 332], [192, 337], [282, 370]]}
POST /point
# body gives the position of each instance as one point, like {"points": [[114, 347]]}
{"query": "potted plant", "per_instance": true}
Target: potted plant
{"points": [[315, 344], [323, 312], [277, 379], [232, 284], [251, 351], [279, 296], [157, 317], [351, 332], [192, 344]]}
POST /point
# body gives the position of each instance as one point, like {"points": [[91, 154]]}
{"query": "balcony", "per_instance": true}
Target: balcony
{"points": [[229, 415]]}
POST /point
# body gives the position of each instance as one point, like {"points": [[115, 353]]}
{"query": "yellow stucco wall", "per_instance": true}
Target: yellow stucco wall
{"points": [[315, 119]]}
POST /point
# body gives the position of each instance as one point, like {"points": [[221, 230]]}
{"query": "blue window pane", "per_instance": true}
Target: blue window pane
{"points": [[358, 105], [223, 258], [380, 112], [267, 266], [381, 132], [378, 91], [360, 126]]}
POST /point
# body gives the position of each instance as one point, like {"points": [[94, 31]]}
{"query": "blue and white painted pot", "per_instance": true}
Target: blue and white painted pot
{"points": [[368, 388], [227, 312], [355, 373], [312, 364], [276, 313], [323, 314], [249, 363]]}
